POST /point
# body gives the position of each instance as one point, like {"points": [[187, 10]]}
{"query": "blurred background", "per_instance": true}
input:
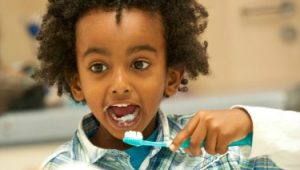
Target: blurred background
{"points": [[254, 49]]}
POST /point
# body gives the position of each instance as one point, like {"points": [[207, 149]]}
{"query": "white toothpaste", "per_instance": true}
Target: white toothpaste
{"points": [[126, 118]]}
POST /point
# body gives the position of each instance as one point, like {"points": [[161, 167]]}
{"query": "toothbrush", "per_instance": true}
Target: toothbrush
{"points": [[136, 139]]}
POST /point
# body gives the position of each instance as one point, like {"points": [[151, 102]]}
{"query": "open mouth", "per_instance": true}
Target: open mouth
{"points": [[123, 115]]}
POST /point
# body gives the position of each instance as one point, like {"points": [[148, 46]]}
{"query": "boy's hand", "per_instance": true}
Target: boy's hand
{"points": [[218, 127]]}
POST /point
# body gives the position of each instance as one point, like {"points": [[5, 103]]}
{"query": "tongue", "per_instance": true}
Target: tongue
{"points": [[122, 111]]}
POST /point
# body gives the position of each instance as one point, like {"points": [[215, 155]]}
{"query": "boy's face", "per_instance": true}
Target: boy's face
{"points": [[122, 72]]}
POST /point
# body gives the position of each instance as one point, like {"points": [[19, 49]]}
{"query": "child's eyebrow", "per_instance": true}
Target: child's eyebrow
{"points": [[98, 50], [130, 50], [143, 47]]}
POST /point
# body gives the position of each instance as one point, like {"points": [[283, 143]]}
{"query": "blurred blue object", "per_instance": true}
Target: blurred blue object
{"points": [[33, 29]]}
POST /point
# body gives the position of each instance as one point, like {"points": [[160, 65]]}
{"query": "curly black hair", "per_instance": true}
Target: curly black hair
{"points": [[183, 21]]}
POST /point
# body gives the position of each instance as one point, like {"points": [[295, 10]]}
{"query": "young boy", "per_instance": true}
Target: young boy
{"points": [[122, 58]]}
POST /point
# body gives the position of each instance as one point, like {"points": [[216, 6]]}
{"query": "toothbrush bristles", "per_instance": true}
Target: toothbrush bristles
{"points": [[134, 135]]}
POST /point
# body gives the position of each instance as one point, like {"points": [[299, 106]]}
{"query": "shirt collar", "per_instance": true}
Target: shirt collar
{"points": [[87, 127], [89, 124]]}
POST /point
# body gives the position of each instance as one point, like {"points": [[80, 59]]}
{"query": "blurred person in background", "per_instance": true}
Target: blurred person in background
{"points": [[18, 91]]}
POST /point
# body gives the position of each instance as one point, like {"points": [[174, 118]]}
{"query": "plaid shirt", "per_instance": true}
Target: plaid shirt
{"points": [[81, 149]]}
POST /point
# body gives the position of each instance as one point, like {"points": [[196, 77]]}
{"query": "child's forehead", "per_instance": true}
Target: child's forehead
{"points": [[132, 18], [100, 28]]}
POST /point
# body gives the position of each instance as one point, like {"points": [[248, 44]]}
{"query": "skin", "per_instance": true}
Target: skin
{"points": [[122, 63], [126, 63]]}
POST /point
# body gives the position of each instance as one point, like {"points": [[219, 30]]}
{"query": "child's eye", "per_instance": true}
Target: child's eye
{"points": [[140, 64], [98, 67]]}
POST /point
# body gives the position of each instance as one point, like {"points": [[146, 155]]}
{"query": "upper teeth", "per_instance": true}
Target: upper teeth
{"points": [[120, 105], [116, 105]]}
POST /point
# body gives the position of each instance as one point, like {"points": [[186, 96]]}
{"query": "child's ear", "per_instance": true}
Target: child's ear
{"points": [[75, 87], [174, 77]]}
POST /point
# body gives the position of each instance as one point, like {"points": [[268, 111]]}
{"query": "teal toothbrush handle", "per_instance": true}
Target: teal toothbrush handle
{"points": [[245, 141]]}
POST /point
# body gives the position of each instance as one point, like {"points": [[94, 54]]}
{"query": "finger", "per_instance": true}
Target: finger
{"points": [[222, 144], [211, 142], [197, 138], [187, 150], [184, 134]]}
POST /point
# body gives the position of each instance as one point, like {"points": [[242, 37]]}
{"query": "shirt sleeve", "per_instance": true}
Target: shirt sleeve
{"points": [[276, 133]]}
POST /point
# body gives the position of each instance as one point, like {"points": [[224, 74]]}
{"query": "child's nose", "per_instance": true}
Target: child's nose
{"points": [[120, 84]]}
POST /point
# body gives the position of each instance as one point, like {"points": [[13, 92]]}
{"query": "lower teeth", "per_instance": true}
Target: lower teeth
{"points": [[126, 118]]}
